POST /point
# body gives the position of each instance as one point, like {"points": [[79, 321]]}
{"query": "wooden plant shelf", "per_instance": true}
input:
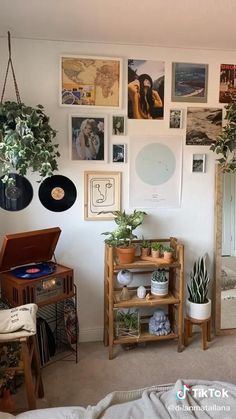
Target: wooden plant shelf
{"points": [[141, 267], [144, 337], [134, 301], [147, 263]]}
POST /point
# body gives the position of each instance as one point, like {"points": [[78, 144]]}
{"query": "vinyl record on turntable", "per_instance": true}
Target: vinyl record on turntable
{"points": [[18, 196], [57, 193]]}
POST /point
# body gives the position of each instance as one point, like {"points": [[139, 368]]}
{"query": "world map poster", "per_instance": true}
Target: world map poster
{"points": [[90, 81]]}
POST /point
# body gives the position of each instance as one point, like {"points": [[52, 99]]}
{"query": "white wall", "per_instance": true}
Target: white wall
{"points": [[81, 244]]}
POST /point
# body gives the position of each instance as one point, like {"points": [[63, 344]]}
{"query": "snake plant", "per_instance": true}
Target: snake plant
{"points": [[199, 282]]}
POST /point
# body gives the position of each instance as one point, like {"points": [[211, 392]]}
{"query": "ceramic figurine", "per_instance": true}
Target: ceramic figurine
{"points": [[141, 292], [159, 323]]}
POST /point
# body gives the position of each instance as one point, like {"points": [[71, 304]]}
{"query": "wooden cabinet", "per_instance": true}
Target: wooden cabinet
{"points": [[142, 268]]}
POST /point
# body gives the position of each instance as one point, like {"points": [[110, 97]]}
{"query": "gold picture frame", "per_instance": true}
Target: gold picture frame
{"points": [[102, 194]]}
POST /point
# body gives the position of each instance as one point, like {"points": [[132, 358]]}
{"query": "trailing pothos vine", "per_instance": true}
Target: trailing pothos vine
{"points": [[225, 144], [26, 138], [26, 141]]}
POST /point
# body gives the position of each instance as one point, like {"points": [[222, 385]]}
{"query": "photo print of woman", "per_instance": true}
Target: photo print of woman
{"points": [[87, 138], [146, 81], [118, 125]]}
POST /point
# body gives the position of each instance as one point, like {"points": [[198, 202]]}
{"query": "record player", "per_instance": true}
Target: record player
{"points": [[28, 274]]}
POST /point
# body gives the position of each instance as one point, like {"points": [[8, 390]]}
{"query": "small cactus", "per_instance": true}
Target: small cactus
{"points": [[159, 275]]}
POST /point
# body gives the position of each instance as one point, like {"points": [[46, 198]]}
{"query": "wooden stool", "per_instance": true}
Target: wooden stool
{"points": [[205, 326], [29, 366]]}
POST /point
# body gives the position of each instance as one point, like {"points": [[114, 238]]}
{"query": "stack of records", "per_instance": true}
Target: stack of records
{"points": [[46, 341]]}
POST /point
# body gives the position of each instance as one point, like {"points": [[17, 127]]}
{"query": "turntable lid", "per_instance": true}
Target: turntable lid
{"points": [[29, 247]]}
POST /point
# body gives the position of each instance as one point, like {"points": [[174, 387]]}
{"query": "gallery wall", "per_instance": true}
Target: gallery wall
{"points": [[81, 245]]}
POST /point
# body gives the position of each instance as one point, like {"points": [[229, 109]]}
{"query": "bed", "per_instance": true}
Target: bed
{"points": [[185, 398]]}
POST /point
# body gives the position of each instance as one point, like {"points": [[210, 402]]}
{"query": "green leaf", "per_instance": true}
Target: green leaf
{"points": [[26, 140]]}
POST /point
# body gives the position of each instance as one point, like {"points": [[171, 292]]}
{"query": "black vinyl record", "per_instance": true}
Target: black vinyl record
{"points": [[57, 193], [17, 196]]}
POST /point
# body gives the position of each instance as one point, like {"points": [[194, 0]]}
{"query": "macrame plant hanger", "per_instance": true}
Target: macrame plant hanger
{"points": [[10, 65]]}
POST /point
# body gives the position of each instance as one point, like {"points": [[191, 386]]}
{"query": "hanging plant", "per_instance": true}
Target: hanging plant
{"points": [[226, 142], [26, 138]]}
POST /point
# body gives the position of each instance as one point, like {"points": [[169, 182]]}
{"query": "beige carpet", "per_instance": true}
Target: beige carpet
{"points": [[67, 383]]}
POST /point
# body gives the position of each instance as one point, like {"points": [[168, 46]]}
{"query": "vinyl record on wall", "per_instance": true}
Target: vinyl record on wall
{"points": [[57, 193], [18, 196]]}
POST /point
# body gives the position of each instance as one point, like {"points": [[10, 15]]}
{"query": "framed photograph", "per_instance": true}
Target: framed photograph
{"points": [[90, 81], [198, 163], [227, 83], [102, 194], [88, 137], [176, 118], [189, 82], [118, 125], [203, 125], [146, 85], [119, 153]]}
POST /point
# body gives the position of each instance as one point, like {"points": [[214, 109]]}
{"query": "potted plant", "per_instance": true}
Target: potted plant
{"points": [[127, 323], [168, 253], [26, 141], [122, 236], [198, 306], [159, 283], [145, 246], [156, 249], [225, 144]]}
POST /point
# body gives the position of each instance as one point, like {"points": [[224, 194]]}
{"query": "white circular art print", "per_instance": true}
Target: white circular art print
{"points": [[155, 164]]}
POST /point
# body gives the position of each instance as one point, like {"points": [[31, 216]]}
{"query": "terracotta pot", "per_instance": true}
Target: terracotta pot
{"points": [[125, 254], [7, 403], [168, 255], [156, 253], [145, 251]]}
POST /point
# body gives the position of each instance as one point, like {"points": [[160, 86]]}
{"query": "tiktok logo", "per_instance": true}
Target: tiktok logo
{"points": [[181, 394]]}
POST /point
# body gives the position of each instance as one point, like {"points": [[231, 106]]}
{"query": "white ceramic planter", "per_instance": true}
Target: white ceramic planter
{"points": [[159, 288], [198, 311]]}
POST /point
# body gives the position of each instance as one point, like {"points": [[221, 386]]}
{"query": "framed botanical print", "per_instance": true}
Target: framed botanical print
{"points": [[189, 82], [102, 194], [90, 81], [88, 137]]}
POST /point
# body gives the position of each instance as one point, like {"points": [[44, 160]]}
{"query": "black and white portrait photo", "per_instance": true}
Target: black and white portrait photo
{"points": [[119, 153], [176, 118], [118, 125], [88, 137]]}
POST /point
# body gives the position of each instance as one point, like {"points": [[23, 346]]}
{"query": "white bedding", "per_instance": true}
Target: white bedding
{"points": [[203, 400]]}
